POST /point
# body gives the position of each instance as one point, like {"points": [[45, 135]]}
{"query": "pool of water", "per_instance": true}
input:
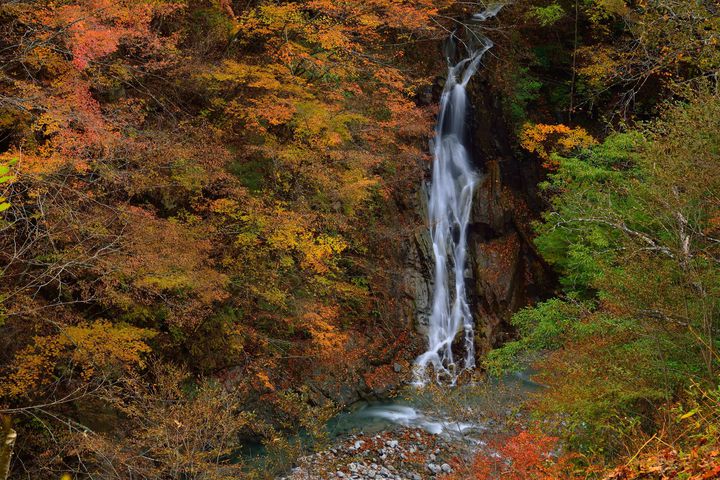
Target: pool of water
{"points": [[470, 412], [375, 417], [461, 410]]}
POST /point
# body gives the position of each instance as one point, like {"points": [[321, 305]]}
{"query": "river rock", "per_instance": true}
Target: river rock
{"points": [[372, 457], [433, 468]]}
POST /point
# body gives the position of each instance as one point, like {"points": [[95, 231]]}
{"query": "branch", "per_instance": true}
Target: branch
{"points": [[653, 244], [658, 315]]}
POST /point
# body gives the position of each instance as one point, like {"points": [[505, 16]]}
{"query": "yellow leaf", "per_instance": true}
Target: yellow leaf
{"points": [[688, 414]]}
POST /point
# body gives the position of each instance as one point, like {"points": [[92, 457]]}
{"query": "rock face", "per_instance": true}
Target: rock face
{"points": [[418, 271], [504, 270]]}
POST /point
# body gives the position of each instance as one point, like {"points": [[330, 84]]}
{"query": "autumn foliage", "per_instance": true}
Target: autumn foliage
{"points": [[202, 206], [522, 456], [547, 140], [203, 183]]}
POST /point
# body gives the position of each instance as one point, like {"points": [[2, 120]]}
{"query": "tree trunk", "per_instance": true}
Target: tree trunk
{"points": [[7, 436]]}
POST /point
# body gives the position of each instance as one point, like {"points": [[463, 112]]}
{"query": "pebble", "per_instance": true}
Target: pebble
{"points": [[433, 468]]}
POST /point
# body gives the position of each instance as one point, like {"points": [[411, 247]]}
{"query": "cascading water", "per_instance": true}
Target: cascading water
{"points": [[449, 204]]}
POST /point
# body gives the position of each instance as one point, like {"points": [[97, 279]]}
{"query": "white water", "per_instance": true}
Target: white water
{"points": [[449, 205], [410, 417]]}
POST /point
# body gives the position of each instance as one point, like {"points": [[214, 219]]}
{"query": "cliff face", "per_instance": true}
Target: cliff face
{"points": [[507, 272], [504, 271]]}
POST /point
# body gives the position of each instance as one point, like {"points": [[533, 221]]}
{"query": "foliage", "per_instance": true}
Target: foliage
{"points": [[605, 61], [175, 427], [541, 327], [525, 90], [686, 448], [547, 15], [525, 455], [629, 217], [92, 349], [5, 178], [543, 139], [629, 230], [661, 46], [207, 183]]}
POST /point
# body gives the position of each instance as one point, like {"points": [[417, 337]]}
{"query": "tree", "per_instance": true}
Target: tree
{"points": [[8, 436], [201, 182], [632, 232]]}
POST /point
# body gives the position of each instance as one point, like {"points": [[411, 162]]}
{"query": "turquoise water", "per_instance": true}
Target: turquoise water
{"points": [[438, 411], [470, 412]]}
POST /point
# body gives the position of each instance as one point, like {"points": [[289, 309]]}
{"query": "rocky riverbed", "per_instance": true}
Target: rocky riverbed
{"points": [[426, 435], [403, 454]]}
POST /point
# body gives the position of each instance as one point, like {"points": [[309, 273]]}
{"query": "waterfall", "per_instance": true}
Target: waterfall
{"points": [[449, 205]]}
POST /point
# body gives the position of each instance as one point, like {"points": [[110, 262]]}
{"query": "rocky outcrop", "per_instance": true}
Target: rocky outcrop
{"points": [[506, 270], [418, 269]]}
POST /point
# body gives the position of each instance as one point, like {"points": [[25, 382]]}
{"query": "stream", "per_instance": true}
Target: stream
{"points": [[465, 416], [466, 412]]}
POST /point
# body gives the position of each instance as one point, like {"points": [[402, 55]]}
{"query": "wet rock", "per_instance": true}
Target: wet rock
{"points": [[417, 279], [505, 271]]}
